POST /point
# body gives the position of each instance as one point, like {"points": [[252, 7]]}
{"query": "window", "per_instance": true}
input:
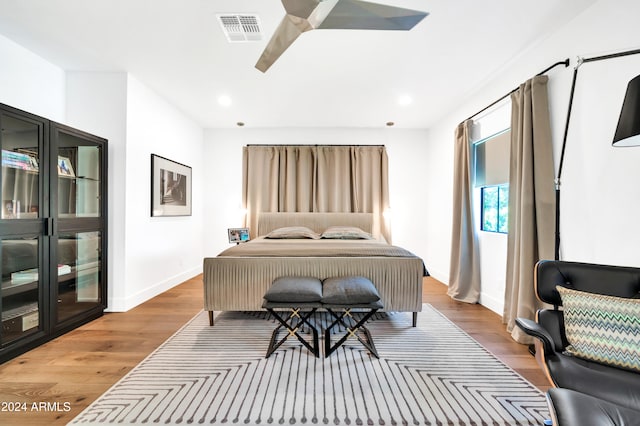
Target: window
{"points": [[491, 138], [494, 201]]}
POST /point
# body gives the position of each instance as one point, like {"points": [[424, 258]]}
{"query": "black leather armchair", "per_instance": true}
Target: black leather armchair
{"points": [[617, 386], [571, 408]]}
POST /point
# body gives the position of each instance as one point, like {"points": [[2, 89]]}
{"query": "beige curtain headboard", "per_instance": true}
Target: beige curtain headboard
{"points": [[316, 178], [318, 222]]}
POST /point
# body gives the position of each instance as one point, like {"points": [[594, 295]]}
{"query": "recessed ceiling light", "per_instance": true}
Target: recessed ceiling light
{"points": [[224, 100], [240, 123], [404, 100], [390, 123]]}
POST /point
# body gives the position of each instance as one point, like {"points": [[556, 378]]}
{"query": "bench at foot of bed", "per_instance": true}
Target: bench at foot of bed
{"points": [[414, 321], [301, 296]]}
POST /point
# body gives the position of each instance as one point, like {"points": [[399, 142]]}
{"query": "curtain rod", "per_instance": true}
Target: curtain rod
{"points": [[549, 68], [297, 144]]}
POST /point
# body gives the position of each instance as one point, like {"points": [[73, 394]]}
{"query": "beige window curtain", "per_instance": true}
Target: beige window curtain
{"points": [[464, 273], [531, 200], [316, 178]]}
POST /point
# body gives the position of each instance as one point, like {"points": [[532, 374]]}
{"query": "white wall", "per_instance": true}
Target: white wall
{"points": [[30, 83], [599, 195], [405, 148], [160, 251]]}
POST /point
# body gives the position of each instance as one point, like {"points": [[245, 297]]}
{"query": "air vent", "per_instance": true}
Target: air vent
{"points": [[240, 27]]}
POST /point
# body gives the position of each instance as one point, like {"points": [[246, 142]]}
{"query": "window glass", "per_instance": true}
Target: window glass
{"points": [[495, 208]]}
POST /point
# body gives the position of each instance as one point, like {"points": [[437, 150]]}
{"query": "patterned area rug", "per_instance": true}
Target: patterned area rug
{"points": [[433, 374]]}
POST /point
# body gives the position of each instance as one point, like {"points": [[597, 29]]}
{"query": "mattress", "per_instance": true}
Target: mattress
{"points": [[266, 247]]}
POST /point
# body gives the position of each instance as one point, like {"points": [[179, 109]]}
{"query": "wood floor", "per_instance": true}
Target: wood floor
{"points": [[53, 383]]}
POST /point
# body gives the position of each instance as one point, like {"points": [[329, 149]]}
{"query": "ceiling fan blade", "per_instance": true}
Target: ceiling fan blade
{"points": [[305, 15], [363, 15], [287, 32], [300, 8]]}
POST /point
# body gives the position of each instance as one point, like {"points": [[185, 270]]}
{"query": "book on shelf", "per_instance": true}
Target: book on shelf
{"points": [[29, 275], [25, 276], [64, 269]]}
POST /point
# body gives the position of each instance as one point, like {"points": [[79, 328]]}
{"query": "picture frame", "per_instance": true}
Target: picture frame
{"points": [[238, 235], [171, 184], [64, 167]]}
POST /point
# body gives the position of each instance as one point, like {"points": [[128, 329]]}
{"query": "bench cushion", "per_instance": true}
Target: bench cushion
{"points": [[350, 290], [294, 289]]}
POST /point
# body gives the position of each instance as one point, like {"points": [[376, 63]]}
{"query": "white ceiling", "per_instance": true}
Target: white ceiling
{"points": [[335, 78]]}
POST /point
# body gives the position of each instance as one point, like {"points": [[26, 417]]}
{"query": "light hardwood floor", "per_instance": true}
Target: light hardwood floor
{"points": [[65, 375]]}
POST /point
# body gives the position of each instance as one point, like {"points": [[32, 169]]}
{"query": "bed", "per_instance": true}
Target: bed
{"points": [[237, 278]]}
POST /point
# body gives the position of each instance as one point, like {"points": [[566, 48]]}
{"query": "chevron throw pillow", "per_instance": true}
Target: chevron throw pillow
{"points": [[601, 328]]}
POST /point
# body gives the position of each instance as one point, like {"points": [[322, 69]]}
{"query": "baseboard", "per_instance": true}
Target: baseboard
{"points": [[130, 302], [489, 302], [438, 275]]}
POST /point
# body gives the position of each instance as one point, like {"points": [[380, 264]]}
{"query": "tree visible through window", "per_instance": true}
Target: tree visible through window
{"points": [[495, 208]]}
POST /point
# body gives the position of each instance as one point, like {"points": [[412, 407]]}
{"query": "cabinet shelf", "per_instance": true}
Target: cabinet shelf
{"points": [[19, 311], [10, 288]]}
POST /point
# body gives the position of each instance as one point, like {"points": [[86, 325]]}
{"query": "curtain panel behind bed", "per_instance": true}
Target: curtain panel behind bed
{"points": [[316, 178]]}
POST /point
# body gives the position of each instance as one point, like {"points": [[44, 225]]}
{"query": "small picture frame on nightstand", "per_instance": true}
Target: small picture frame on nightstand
{"points": [[238, 235]]}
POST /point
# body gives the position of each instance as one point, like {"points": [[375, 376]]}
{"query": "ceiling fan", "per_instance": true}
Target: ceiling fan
{"points": [[306, 15]]}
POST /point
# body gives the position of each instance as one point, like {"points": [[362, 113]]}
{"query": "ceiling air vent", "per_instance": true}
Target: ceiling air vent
{"points": [[240, 27]]}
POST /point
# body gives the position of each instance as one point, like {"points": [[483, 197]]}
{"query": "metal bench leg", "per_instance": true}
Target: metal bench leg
{"points": [[352, 331], [293, 330]]}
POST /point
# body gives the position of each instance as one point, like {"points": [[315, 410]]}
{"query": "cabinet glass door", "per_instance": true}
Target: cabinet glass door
{"points": [[20, 168], [21, 226], [20, 288], [79, 273], [79, 174], [78, 189]]}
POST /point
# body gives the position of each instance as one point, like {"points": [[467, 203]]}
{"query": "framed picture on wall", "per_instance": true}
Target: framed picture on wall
{"points": [[170, 187]]}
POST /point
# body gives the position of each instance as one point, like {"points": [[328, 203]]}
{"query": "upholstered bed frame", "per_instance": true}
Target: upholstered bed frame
{"points": [[238, 282], [317, 222]]}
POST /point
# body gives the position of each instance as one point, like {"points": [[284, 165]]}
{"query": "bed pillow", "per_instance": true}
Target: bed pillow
{"points": [[292, 232], [600, 328], [348, 291], [346, 233]]}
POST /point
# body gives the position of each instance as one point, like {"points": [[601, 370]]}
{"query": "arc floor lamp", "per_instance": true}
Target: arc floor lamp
{"points": [[627, 132]]}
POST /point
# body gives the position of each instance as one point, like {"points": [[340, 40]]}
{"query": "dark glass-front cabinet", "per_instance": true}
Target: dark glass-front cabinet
{"points": [[53, 228]]}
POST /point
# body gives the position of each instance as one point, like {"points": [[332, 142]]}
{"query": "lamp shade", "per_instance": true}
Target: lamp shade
{"points": [[628, 130]]}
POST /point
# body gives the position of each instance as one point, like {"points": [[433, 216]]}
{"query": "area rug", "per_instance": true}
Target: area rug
{"points": [[432, 374]]}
